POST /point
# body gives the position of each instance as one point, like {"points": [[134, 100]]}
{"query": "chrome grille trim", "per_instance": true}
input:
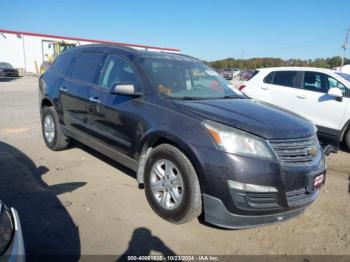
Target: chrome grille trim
{"points": [[295, 151]]}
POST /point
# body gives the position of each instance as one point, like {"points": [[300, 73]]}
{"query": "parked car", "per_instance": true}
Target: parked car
{"points": [[344, 69], [229, 73], [11, 237], [246, 75], [7, 70], [321, 95], [194, 141]]}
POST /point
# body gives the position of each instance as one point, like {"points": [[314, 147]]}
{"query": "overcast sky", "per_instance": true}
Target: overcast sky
{"points": [[206, 29]]}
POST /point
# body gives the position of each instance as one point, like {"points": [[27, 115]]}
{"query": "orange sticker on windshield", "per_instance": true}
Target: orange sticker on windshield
{"points": [[165, 90]]}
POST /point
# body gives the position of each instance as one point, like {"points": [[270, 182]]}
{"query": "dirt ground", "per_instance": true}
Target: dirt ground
{"points": [[79, 202]]}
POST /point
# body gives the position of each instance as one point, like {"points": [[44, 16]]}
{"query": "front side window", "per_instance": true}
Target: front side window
{"points": [[285, 78], [87, 67], [316, 82], [187, 79], [332, 83], [116, 71]]}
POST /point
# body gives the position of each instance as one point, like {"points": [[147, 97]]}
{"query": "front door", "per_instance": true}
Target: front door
{"points": [[314, 103], [114, 118]]}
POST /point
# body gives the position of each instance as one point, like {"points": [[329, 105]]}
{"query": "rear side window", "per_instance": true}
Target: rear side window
{"points": [[87, 67], [63, 62], [269, 78], [285, 78]]}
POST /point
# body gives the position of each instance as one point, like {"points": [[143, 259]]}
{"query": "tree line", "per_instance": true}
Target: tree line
{"points": [[254, 63]]}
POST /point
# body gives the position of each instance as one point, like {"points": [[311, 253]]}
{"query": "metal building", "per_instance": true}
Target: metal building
{"points": [[28, 51]]}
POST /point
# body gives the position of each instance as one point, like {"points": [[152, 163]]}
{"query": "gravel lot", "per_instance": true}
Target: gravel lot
{"points": [[79, 202]]}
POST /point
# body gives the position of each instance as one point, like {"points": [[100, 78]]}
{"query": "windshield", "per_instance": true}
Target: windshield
{"points": [[5, 65], [345, 76], [187, 79]]}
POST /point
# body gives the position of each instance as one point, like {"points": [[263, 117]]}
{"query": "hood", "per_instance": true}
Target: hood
{"points": [[252, 116]]}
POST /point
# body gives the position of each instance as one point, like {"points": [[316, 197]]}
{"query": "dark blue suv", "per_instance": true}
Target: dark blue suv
{"points": [[196, 143]]}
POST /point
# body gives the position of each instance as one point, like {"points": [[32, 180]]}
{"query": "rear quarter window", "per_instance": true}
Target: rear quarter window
{"points": [[269, 78], [63, 62]]}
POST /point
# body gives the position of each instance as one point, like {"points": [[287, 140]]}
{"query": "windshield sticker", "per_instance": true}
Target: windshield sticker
{"points": [[211, 73], [215, 85], [165, 90]]}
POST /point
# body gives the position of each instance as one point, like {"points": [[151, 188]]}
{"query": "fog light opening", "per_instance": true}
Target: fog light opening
{"points": [[250, 187]]}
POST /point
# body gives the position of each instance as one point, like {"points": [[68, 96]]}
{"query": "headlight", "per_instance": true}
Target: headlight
{"points": [[235, 141], [6, 228]]}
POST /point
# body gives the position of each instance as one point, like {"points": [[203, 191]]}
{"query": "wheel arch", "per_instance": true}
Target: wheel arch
{"points": [[344, 130], [154, 139], [45, 101]]}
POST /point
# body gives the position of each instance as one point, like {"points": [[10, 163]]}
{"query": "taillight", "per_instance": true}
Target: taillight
{"points": [[241, 87]]}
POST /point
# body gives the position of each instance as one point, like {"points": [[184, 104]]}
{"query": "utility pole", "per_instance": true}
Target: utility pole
{"points": [[345, 46], [242, 58]]}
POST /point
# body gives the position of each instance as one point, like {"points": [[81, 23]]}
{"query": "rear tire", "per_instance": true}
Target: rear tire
{"points": [[51, 130], [171, 185], [347, 139]]}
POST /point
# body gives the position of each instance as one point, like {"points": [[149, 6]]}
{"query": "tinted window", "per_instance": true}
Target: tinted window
{"points": [[269, 78], [285, 78], [87, 67], [314, 81], [63, 62], [116, 71]]}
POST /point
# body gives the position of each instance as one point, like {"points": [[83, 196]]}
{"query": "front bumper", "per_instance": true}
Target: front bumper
{"points": [[227, 207], [216, 213], [16, 250]]}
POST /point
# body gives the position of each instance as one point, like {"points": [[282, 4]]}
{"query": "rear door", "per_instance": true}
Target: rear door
{"points": [[75, 90], [314, 103], [282, 88]]}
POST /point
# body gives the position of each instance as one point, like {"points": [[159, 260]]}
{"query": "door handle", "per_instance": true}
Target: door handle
{"points": [[264, 87], [63, 89], [301, 96], [94, 99]]}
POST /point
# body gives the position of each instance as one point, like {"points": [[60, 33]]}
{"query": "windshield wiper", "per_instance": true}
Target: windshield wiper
{"points": [[189, 98], [232, 97]]}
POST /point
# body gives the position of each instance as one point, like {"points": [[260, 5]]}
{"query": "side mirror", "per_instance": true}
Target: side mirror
{"points": [[124, 89], [335, 92]]}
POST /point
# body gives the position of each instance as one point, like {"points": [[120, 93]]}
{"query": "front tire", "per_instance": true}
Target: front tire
{"points": [[171, 185], [51, 130]]}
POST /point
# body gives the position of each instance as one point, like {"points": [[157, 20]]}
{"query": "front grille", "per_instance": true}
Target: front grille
{"points": [[296, 151]]}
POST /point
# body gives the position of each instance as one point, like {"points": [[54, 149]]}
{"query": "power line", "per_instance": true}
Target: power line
{"points": [[345, 46], [316, 40]]}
